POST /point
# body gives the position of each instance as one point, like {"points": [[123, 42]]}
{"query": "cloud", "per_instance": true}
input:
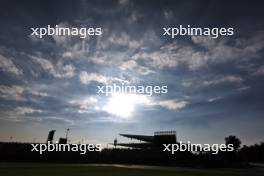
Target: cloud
{"points": [[186, 83], [210, 100], [221, 51], [165, 57], [169, 56], [118, 40], [37, 93], [123, 2], [58, 71], [226, 79], [252, 45], [209, 52], [244, 88], [12, 92], [207, 42], [16, 92], [172, 104], [133, 66], [259, 71], [20, 113], [168, 14], [26, 110], [59, 120], [87, 78], [84, 104], [7, 65]]}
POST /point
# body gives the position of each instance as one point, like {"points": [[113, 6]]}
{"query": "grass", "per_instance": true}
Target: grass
{"points": [[11, 169]]}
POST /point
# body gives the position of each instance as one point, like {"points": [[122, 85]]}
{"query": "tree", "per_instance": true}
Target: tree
{"points": [[233, 140]]}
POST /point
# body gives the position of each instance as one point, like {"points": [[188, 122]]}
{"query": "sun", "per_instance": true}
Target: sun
{"points": [[122, 105]]}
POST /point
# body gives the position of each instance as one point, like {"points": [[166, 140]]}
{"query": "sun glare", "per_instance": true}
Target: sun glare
{"points": [[123, 105]]}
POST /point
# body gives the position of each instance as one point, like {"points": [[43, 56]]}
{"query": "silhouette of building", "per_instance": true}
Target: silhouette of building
{"points": [[51, 136], [150, 142], [64, 140]]}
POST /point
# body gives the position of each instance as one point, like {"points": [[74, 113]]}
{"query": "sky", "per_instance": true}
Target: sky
{"points": [[215, 86]]}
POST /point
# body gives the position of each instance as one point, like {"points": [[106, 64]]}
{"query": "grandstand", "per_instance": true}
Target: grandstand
{"points": [[149, 142]]}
